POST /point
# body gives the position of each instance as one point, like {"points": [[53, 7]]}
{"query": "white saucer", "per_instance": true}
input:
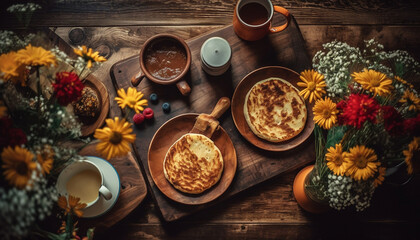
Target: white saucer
{"points": [[111, 181]]}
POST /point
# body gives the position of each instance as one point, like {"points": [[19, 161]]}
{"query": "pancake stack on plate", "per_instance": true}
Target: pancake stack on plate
{"points": [[193, 164], [274, 110]]}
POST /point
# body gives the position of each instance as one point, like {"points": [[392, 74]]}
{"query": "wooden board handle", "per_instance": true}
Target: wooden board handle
{"points": [[221, 106]]}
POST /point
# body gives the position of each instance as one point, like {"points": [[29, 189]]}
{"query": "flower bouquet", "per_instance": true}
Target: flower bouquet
{"points": [[367, 121], [37, 86]]}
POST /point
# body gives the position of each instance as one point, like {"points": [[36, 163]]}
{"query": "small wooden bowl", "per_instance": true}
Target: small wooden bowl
{"points": [[238, 101], [99, 87], [163, 139]]}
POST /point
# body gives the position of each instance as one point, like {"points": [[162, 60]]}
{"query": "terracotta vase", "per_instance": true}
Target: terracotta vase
{"points": [[302, 195]]}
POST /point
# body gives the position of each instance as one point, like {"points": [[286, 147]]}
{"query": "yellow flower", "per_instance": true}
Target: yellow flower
{"points": [[46, 159], [88, 55], [73, 206], [412, 156], [325, 113], [380, 178], [115, 138], [411, 99], [335, 160], [373, 81], [398, 79], [17, 165], [314, 85], [131, 99], [8, 66], [35, 56], [362, 162]]}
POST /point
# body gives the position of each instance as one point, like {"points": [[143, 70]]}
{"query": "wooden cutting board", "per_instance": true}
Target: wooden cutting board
{"points": [[255, 165]]}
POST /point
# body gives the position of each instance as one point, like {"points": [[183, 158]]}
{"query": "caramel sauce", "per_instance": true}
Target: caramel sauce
{"points": [[165, 59]]}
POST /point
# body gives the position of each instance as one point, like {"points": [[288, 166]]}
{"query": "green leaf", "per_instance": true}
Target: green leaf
{"points": [[335, 134]]}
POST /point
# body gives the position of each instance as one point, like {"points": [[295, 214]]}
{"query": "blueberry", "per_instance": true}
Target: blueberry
{"points": [[166, 107], [153, 98]]}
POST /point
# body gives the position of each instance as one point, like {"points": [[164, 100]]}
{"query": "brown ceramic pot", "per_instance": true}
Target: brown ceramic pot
{"points": [[147, 49]]}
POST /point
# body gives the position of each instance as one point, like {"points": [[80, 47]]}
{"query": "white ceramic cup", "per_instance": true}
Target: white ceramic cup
{"points": [[82, 169]]}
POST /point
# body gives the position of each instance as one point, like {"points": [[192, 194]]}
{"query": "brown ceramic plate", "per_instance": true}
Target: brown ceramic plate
{"points": [[238, 102], [99, 87], [163, 139]]}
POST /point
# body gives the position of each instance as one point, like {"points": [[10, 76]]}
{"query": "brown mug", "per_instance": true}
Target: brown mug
{"points": [[252, 19], [165, 59]]}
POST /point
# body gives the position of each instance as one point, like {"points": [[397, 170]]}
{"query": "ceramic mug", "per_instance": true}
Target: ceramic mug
{"points": [[252, 19], [165, 59], [85, 180]]}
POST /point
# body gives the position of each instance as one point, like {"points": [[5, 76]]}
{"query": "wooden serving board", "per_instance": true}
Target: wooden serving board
{"points": [[255, 165]]}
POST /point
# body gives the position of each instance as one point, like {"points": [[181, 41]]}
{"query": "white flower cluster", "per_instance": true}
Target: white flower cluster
{"points": [[20, 209], [343, 192], [335, 64], [9, 41], [24, 8], [338, 61]]}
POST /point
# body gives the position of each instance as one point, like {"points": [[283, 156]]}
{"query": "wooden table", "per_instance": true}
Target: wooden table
{"points": [[118, 28]]}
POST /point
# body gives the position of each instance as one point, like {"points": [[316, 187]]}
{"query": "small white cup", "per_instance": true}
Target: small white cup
{"points": [[85, 180]]}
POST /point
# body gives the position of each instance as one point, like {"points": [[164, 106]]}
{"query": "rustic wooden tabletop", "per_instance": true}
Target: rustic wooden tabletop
{"points": [[268, 210]]}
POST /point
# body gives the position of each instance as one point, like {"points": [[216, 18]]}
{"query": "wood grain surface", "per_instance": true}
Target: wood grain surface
{"points": [[267, 211], [254, 165]]}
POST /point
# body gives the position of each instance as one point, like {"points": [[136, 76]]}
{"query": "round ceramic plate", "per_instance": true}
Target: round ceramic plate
{"points": [[163, 139], [238, 102], [99, 87], [111, 181]]}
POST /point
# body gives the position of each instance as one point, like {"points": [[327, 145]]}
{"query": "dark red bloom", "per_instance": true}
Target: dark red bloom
{"points": [[393, 121], [412, 125], [358, 109], [10, 136], [67, 87]]}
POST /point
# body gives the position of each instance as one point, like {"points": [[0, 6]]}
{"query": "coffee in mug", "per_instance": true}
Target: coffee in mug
{"points": [[252, 19]]}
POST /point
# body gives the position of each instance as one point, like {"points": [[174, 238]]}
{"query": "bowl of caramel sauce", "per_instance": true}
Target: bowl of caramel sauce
{"points": [[165, 59]]}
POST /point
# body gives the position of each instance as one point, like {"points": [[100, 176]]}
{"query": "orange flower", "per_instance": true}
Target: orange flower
{"points": [[73, 205]]}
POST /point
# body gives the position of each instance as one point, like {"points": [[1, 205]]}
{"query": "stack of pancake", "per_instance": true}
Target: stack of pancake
{"points": [[274, 110], [193, 164]]}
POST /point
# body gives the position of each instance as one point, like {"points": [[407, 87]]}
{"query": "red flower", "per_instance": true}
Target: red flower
{"points": [[67, 87], [393, 121], [412, 125], [10, 136], [358, 109]]}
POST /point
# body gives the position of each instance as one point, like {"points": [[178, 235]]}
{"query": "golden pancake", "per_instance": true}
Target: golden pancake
{"points": [[193, 163], [274, 110]]}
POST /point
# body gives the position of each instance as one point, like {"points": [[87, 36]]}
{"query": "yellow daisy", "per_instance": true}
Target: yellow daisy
{"points": [[380, 178], [46, 159], [73, 205], [325, 113], [35, 56], [314, 85], [131, 99], [335, 160], [8, 66], [411, 99], [115, 138], [362, 161], [398, 79], [88, 55], [373, 81], [412, 156], [17, 165]]}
